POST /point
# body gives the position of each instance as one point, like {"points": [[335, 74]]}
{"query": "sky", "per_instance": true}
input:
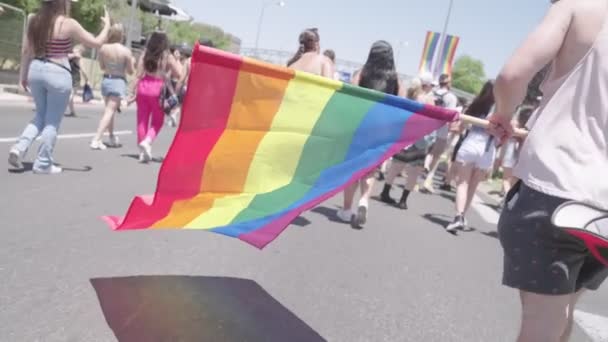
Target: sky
{"points": [[490, 30]]}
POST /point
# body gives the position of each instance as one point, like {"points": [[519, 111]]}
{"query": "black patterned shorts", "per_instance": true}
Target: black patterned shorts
{"points": [[539, 257]]}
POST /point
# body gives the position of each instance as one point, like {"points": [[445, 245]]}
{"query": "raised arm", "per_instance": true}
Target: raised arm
{"points": [[78, 33], [539, 49]]}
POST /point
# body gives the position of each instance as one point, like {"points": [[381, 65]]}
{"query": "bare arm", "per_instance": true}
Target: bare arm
{"points": [[539, 49], [402, 92], [27, 54], [174, 67], [326, 69], [78, 33]]}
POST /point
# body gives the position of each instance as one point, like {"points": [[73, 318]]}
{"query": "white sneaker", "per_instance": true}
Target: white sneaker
{"points": [[114, 142], [344, 215], [14, 159], [98, 145], [52, 170], [146, 149]]}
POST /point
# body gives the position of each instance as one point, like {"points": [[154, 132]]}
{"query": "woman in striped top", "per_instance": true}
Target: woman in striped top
{"points": [[45, 71]]}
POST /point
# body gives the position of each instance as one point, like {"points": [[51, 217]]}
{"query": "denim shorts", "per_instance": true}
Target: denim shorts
{"points": [[113, 87]]}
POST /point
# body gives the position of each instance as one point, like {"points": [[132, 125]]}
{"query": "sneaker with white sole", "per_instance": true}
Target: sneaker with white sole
{"points": [[52, 170], [146, 149], [114, 142], [98, 145], [344, 215], [459, 223], [14, 159]]}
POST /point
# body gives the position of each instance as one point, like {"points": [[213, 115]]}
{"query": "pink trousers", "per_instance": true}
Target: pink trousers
{"points": [[148, 106]]}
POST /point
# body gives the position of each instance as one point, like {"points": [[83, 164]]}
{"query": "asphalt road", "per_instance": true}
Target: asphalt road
{"points": [[67, 277]]}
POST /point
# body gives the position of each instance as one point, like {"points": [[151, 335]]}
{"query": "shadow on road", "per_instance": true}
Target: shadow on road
{"points": [[28, 167], [195, 309], [301, 222], [443, 220], [492, 234], [136, 157], [330, 213]]}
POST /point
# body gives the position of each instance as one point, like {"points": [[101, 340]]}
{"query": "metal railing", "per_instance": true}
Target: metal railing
{"points": [[13, 23]]}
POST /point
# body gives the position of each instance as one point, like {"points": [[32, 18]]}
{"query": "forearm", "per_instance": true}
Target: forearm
{"points": [[509, 91], [26, 60]]}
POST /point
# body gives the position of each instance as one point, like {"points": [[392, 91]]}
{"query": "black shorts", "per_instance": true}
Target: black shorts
{"points": [[539, 257]]}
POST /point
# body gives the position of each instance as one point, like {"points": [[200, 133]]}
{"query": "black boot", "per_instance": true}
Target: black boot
{"points": [[385, 196], [403, 201]]}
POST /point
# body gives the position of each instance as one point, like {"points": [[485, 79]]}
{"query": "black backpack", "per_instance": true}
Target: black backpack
{"points": [[439, 99]]}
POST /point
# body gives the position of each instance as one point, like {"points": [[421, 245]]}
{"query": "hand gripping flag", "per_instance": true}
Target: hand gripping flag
{"points": [[259, 144], [587, 223]]}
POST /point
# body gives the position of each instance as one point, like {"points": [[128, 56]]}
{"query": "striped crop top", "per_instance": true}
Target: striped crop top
{"points": [[58, 48]]}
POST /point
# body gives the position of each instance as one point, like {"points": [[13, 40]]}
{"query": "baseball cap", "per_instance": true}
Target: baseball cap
{"points": [[426, 79], [587, 223]]}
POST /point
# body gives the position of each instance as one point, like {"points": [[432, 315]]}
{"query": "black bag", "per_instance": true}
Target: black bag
{"points": [[411, 154]]}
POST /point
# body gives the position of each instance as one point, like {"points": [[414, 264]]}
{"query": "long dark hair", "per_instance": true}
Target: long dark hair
{"points": [[483, 103], [42, 24], [157, 45], [309, 41], [379, 72]]}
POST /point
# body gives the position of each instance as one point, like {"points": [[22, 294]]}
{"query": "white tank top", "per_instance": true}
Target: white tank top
{"points": [[566, 152]]}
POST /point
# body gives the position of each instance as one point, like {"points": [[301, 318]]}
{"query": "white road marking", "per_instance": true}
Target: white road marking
{"points": [[69, 136], [595, 326]]}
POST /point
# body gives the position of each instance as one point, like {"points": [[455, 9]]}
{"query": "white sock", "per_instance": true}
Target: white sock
{"points": [[363, 202]]}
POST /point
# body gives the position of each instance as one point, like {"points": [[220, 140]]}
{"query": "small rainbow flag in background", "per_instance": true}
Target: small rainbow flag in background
{"points": [[259, 144], [428, 52], [446, 56]]}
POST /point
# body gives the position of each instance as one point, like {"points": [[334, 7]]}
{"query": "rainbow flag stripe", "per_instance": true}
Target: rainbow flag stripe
{"points": [[428, 52], [446, 57], [259, 144]]}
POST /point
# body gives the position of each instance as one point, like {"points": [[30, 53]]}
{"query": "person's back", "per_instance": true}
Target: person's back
{"points": [[308, 58], [310, 62], [568, 153], [115, 59]]}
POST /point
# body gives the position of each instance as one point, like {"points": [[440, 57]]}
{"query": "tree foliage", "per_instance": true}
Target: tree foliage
{"points": [[468, 74], [89, 13]]}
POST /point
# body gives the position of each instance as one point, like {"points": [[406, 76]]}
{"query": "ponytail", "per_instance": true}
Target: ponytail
{"points": [[297, 56]]}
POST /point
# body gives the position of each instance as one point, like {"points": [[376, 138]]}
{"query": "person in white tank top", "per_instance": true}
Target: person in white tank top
{"points": [[564, 158]]}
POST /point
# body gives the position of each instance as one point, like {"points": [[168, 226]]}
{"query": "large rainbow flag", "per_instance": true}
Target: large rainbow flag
{"points": [[259, 144], [428, 52], [445, 59]]}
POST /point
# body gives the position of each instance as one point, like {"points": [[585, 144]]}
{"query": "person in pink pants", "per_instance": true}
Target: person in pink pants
{"points": [[155, 66]]}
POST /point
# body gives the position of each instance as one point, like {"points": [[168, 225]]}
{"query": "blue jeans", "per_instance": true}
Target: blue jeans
{"points": [[51, 86]]}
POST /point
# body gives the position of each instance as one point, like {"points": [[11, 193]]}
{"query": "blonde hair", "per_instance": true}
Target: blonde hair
{"points": [[116, 34], [415, 89]]}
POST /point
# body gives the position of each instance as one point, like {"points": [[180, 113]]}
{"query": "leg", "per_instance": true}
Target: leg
{"points": [[34, 128], [367, 185], [143, 118], [573, 301], [394, 170], [71, 103], [544, 318], [349, 196], [108, 117], [58, 95], [463, 177], [436, 153], [413, 173], [158, 118], [477, 177]]}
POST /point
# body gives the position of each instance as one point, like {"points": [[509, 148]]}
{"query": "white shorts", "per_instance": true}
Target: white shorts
{"points": [[510, 156], [474, 152]]}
